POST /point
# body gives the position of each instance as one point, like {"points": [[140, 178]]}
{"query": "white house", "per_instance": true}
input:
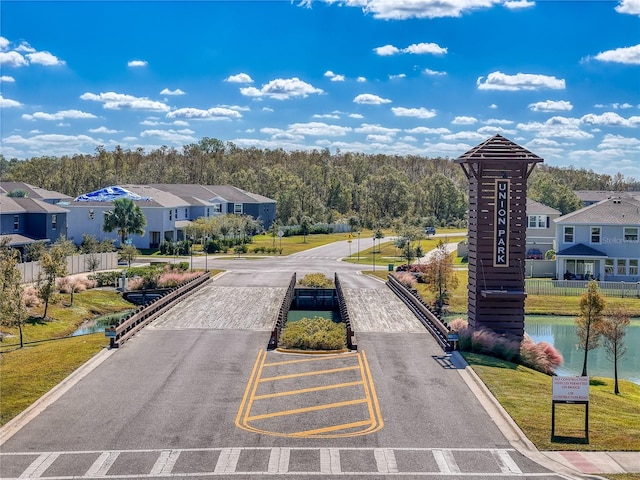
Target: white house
{"points": [[541, 229], [600, 241]]}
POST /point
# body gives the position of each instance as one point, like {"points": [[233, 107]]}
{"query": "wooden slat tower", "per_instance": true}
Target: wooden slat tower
{"points": [[497, 170]]}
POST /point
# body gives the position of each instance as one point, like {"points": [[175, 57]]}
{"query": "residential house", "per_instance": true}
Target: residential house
{"points": [[600, 241], [168, 209], [589, 197], [541, 229], [31, 218]]}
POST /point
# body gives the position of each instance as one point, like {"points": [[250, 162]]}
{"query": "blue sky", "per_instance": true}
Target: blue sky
{"points": [[406, 77]]}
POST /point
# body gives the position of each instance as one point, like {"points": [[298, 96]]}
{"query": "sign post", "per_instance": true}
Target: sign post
{"points": [[570, 390]]}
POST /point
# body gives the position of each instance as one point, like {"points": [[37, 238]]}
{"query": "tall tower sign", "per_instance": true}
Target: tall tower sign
{"points": [[497, 170]]}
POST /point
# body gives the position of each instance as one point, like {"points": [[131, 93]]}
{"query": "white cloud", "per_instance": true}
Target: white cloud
{"points": [[429, 131], [551, 106], [428, 71], [518, 4], [493, 106], [7, 79], [376, 129], [498, 121], [4, 43], [492, 130], [282, 89], [464, 136], [122, 101], [334, 77], [356, 115], [318, 129], [618, 141], [137, 63], [61, 115], [398, 76], [25, 47], [215, 113], [386, 50], [370, 99], [405, 9], [462, 120], [626, 55], [361, 79], [170, 135], [166, 91], [40, 141], [520, 81], [380, 138], [631, 7], [413, 112], [12, 59], [44, 58], [239, 78], [102, 130], [7, 102], [557, 127], [425, 48], [332, 116], [610, 119]]}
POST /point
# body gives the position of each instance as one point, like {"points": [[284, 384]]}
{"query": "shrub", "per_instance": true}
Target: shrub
{"points": [[314, 334], [105, 279], [316, 280], [30, 297], [541, 356], [173, 279], [407, 279]]}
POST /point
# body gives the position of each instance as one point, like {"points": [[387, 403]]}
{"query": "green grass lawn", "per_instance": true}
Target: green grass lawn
{"points": [[614, 420]]}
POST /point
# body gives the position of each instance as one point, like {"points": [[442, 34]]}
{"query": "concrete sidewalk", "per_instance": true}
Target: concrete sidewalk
{"points": [[598, 462]]}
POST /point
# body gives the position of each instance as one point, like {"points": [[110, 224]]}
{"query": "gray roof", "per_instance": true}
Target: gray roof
{"points": [[17, 240], [593, 196], [237, 195], [613, 211], [537, 208], [32, 192], [227, 193], [580, 250], [16, 205], [156, 198]]}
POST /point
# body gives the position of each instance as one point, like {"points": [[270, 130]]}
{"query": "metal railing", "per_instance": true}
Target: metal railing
{"points": [[575, 288], [281, 318], [344, 315]]}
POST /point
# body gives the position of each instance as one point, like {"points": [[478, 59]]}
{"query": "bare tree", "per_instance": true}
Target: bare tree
{"points": [[440, 275], [587, 324], [613, 329]]}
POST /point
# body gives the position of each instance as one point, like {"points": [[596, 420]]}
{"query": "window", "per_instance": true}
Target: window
{"points": [[568, 234], [92, 214], [170, 215], [186, 212], [217, 208], [622, 266], [237, 208], [537, 221], [16, 222], [608, 266], [54, 221], [596, 234], [633, 266], [208, 211], [630, 234]]}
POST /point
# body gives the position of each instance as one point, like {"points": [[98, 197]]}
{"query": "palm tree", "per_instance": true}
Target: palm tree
{"points": [[125, 218]]}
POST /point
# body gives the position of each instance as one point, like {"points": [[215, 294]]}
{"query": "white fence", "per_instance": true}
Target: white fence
{"points": [[75, 264]]}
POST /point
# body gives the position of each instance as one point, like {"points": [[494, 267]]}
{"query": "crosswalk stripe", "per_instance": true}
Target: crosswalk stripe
{"points": [[39, 465], [228, 460], [102, 464], [165, 462], [446, 462], [506, 463]]}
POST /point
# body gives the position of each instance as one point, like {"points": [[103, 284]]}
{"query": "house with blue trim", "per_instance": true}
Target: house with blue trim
{"points": [[601, 241]]}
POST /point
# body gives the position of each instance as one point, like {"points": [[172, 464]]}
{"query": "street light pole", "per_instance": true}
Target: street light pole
{"points": [[191, 251], [206, 253], [358, 245], [374, 252]]}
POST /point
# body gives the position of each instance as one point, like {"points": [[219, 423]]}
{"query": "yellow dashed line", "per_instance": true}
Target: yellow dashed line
{"points": [[315, 408], [307, 374]]}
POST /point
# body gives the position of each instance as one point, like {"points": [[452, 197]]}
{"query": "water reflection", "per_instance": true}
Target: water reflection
{"points": [[561, 333]]}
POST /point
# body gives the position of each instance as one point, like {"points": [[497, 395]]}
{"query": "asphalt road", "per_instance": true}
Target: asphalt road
{"points": [[185, 400]]}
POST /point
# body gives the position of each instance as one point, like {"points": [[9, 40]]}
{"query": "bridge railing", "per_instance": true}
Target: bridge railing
{"points": [[430, 320], [281, 318], [133, 323], [344, 315]]}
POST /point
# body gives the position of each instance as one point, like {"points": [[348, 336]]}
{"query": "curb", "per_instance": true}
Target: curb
{"points": [[37, 407], [508, 426]]}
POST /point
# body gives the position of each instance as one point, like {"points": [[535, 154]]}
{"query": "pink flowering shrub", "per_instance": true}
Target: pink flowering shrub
{"points": [[30, 297], [542, 356], [173, 279], [78, 284], [136, 283], [406, 279]]}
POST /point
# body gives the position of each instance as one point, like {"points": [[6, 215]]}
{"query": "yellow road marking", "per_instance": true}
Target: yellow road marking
{"points": [[306, 390], [313, 359], [307, 374], [315, 408], [373, 424]]}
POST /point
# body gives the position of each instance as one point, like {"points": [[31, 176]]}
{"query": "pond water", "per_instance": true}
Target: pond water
{"points": [[97, 325], [560, 331], [295, 315]]}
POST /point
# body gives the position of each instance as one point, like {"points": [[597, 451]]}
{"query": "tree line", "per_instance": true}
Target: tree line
{"points": [[378, 189]]}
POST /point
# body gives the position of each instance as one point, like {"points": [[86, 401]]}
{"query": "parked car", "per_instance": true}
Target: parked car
{"points": [[430, 230], [534, 254]]}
